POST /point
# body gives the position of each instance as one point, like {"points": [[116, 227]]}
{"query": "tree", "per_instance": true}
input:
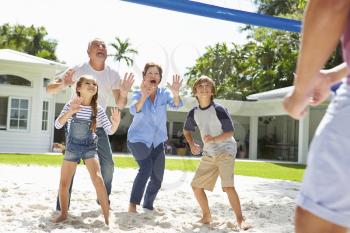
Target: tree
{"points": [[293, 9], [218, 63], [29, 40], [284, 7], [123, 51], [267, 61]]}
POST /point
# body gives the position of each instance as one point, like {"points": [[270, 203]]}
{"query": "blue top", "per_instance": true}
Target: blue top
{"points": [[149, 125]]}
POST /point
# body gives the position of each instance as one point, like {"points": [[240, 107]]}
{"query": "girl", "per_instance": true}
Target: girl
{"points": [[82, 115]]}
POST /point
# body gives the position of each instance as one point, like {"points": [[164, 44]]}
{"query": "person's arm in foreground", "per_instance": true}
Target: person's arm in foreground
{"points": [[326, 81], [323, 24]]}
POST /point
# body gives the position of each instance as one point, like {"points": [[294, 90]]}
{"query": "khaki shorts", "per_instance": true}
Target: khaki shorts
{"points": [[210, 167]]}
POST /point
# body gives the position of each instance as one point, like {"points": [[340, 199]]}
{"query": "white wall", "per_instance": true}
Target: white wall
{"points": [[33, 139]]}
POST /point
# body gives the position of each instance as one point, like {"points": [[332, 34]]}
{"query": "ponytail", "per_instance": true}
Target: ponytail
{"points": [[94, 112]]}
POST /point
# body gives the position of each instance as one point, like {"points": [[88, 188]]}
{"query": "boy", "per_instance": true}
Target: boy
{"points": [[219, 150]]}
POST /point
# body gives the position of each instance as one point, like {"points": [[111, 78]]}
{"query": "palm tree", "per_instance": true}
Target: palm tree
{"points": [[123, 51]]}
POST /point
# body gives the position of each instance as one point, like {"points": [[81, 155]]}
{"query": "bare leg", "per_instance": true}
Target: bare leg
{"points": [[67, 171], [306, 222], [132, 208], [203, 203], [236, 206], [94, 169]]}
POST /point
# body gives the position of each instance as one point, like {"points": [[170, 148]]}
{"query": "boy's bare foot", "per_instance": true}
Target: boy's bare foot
{"points": [[244, 225], [205, 220], [60, 218], [132, 208]]}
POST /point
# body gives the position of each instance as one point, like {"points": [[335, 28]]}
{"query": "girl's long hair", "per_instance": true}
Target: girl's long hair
{"points": [[93, 102]]}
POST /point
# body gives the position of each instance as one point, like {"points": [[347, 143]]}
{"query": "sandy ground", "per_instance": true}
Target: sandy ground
{"points": [[28, 196]]}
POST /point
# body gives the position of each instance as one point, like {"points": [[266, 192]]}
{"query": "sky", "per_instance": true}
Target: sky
{"points": [[172, 39]]}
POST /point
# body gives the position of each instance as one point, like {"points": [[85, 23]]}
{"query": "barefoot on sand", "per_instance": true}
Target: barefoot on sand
{"points": [[244, 225], [205, 220], [132, 208], [58, 219]]}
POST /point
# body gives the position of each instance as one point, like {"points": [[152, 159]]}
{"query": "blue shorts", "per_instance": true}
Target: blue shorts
{"points": [[325, 190], [78, 155]]}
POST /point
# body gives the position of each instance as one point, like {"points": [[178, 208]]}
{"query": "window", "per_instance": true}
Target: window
{"points": [[45, 115], [46, 82], [278, 138], [19, 111], [8, 79], [3, 112]]}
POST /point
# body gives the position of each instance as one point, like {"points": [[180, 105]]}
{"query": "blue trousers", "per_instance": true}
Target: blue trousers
{"points": [[151, 163], [104, 153]]}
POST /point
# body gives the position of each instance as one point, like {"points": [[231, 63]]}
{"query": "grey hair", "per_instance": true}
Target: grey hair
{"points": [[95, 39]]}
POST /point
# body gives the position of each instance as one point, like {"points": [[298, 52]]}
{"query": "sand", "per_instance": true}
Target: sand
{"points": [[28, 196]]}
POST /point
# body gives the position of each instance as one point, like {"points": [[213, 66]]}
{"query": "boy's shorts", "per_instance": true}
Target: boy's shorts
{"points": [[78, 155], [325, 190], [210, 167]]}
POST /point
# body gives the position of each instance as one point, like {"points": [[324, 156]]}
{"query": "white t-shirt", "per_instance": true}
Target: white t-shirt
{"points": [[107, 80]]}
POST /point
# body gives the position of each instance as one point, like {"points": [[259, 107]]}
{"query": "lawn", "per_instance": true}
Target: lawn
{"points": [[291, 172]]}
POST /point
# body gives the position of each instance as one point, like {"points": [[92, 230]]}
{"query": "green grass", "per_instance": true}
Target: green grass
{"points": [[291, 172]]}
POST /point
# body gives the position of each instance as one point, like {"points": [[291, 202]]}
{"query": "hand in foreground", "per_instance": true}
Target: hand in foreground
{"points": [[322, 88], [296, 105], [296, 102]]}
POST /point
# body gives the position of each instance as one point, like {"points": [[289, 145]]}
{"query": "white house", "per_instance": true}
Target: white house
{"points": [[276, 135], [26, 111], [27, 114]]}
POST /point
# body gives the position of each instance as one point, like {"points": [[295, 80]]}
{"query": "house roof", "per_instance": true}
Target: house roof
{"points": [[15, 56], [273, 94]]}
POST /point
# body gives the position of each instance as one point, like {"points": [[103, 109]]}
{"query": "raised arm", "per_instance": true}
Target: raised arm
{"points": [[74, 108], [121, 94], [323, 25], [61, 83], [175, 89], [115, 119], [146, 91]]}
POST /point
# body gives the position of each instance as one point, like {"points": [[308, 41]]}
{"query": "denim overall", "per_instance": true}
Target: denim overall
{"points": [[80, 141], [80, 144]]}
